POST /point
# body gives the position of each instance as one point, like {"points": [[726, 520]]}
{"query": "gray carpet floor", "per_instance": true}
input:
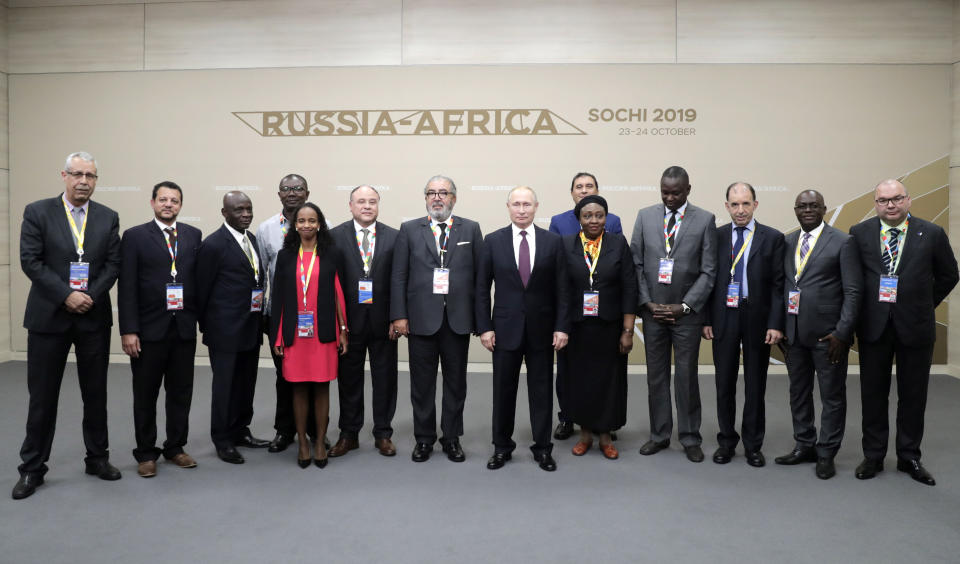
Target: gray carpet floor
{"points": [[367, 508]]}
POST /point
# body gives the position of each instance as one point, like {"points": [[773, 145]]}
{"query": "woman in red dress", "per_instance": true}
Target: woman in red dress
{"points": [[311, 322]]}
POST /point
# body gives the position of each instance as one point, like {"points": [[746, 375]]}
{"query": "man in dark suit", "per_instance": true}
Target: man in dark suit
{"points": [[431, 302], [908, 269], [822, 285], [673, 250], [745, 310], [529, 322], [70, 251], [583, 184], [230, 295], [157, 300], [367, 247]]}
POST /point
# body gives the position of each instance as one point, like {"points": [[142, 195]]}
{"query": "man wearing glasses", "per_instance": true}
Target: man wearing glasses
{"points": [[432, 303], [908, 269], [70, 251]]}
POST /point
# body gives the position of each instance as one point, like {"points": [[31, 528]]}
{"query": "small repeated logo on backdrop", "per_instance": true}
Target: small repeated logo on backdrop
{"points": [[240, 188], [377, 187], [118, 188]]}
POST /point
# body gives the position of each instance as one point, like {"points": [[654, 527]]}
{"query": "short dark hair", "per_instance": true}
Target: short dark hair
{"points": [[166, 184], [676, 172], [578, 175], [753, 193], [294, 175]]}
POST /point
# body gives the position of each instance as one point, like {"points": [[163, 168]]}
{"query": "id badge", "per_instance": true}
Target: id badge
{"points": [[174, 297], [365, 292], [665, 275], [733, 294], [441, 280], [888, 289], [305, 324], [793, 302], [256, 299], [79, 275], [591, 304]]}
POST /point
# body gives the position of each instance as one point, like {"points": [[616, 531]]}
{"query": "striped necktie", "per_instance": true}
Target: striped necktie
{"points": [[889, 256]]}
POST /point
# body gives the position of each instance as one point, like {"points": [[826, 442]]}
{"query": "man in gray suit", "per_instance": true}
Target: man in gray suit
{"points": [[431, 302], [822, 285], [673, 250]]}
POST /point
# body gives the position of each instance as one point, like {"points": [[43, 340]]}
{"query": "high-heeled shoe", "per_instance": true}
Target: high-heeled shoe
{"points": [[303, 463], [320, 462]]}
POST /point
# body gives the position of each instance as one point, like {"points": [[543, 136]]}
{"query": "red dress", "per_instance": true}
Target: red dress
{"points": [[307, 359]]}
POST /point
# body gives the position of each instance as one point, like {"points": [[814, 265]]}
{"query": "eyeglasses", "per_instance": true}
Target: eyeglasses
{"points": [[896, 200], [804, 207], [297, 189], [437, 193], [78, 175]]}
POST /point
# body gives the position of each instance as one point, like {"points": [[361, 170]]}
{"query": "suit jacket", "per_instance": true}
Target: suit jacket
{"points": [[695, 259], [535, 311], [377, 314], [566, 223], [830, 288], [287, 298], [411, 288], [764, 280], [927, 272], [225, 281], [614, 278], [46, 251], [144, 275]]}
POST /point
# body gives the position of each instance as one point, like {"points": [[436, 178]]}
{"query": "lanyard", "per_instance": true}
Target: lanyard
{"points": [[173, 252], [78, 233], [801, 262], [894, 262], [367, 257], [446, 239], [590, 256], [283, 225], [668, 234], [740, 254], [305, 280]]}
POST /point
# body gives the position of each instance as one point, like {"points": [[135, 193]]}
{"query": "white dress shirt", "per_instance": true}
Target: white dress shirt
{"points": [[531, 242]]}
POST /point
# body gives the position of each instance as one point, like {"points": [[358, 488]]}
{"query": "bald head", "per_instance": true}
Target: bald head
{"points": [[891, 201], [237, 210], [522, 205]]}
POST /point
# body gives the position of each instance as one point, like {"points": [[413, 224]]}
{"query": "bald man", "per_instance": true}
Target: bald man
{"points": [[230, 296], [908, 269]]}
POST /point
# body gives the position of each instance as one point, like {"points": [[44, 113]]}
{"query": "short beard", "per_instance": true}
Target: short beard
{"points": [[440, 215]]}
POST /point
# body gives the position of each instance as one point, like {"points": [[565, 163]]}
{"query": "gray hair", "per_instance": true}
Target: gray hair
{"points": [[83, 156], [375, 191], [517, 188], [453, 187]]}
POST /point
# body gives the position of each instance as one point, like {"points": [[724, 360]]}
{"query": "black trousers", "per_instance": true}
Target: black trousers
{"points": [[234, 384], [506, 379], [383, 377], [726, 361], [803, 363], [46, 359], [283, 416], [170, 362], [449, 350], [561, 374], [913, 377]]}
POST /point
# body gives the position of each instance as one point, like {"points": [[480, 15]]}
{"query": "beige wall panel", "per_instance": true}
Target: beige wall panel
{"points": [[36, 3], [955, 93], [815, 31], [538, 31], [6, 323], [3, 38], [956, 31], [267, 33], [4, 221], [4, 121], [74, 39]]}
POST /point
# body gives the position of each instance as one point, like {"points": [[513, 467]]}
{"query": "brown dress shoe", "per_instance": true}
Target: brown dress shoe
{"points": [[385, 446], [184, 460], [343, 446], [147, 469], [581, 448], [609, 451]]}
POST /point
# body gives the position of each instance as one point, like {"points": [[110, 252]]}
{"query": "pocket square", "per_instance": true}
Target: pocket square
{"points": [[463, 243]]}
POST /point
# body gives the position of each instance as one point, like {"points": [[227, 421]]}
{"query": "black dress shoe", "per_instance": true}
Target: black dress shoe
{"points": [[280, 443], [421, 452], [103, 469], [454, 451], [250, 441], [498, 460], [825, 468], [755, 458], [653, 447], [798, 455], [723, 455], [869, 468], [563, 431], [694, 453], [230, 454], [546, 461], [916, 471], [26, 485]]}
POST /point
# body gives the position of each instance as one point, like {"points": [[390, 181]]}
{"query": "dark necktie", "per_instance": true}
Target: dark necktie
{"points": [[738, 269], [366, 241], [804, 246], [172, 236], [443, 234], [893, 244], [523, 261], [670, 224]]}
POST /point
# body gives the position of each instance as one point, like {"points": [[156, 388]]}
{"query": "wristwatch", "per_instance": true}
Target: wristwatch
{"points": [[686, 308]]}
